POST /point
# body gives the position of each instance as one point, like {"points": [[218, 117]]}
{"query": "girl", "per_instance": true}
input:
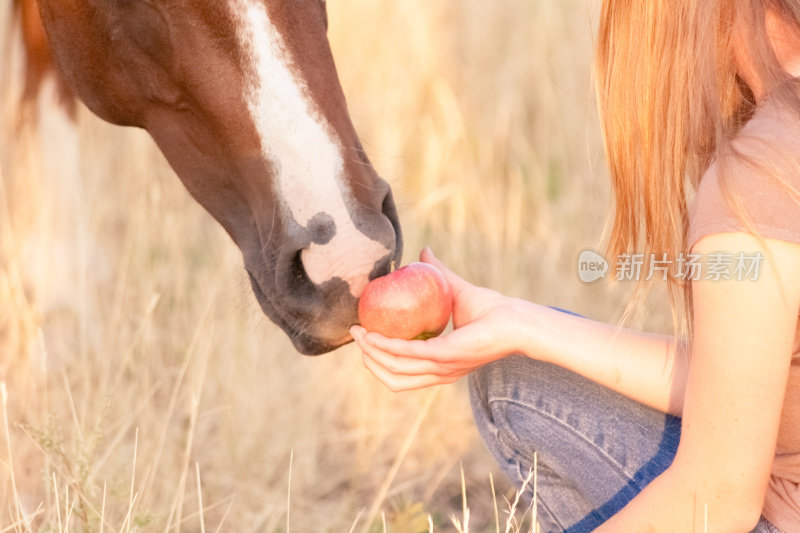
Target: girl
{"points": [[641, 432]]}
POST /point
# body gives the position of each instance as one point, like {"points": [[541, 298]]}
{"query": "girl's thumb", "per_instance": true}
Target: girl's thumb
{"points": [[455, 281]]}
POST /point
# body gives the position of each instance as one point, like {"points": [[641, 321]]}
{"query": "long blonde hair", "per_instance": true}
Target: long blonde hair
{"points": [[670, 101]]}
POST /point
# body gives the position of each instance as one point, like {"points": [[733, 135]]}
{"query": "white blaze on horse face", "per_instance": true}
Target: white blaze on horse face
{"points": [[305, 155]]}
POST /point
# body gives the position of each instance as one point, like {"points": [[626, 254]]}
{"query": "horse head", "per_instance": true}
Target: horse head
{"points": [[243, 99]]}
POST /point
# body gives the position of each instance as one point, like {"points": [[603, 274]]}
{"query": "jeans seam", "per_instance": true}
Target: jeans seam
{"points": [[612, 460]]}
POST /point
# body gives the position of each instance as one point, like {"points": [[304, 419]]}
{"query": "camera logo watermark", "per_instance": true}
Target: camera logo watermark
{"points": [[686, 266]]}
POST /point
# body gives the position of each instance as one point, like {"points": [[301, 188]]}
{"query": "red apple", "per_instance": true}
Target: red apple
{"points": [[413, 302]]}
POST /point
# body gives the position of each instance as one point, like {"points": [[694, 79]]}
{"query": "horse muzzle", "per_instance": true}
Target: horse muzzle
{"points": [[309, 284]]}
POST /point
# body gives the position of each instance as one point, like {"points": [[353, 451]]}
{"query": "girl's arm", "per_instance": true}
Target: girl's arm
{"points": [[740, 359], [648, 368]]}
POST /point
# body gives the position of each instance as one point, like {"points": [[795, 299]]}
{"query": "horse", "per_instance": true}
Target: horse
{"points": [[243, 99]]}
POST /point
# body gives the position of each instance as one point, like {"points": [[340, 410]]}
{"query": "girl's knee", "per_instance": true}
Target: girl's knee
{"points": [[504, 396], [512, 378]]}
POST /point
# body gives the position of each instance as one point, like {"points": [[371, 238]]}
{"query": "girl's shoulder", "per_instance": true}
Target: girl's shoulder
{"points": [[755, 186], [773, 131]]}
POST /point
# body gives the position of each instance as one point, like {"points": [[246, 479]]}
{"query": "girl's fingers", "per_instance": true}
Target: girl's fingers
{"points": [[401, 372], [431, 349], [404, 366], [415, 349], [456, 282], [401, 366], [357, 332], [398, 383]]}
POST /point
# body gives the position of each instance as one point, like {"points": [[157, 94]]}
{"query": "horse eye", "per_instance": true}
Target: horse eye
{"points": [[147, 29]]}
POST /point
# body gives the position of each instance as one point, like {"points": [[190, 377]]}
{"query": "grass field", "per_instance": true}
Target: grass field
{"points": [[141, 383]]}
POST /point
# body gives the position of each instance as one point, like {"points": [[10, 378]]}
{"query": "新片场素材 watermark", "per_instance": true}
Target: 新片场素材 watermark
{"points": [[740, 266]]}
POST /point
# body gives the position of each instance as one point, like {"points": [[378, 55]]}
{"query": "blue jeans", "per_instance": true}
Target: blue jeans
{"points": [[595, 448]]}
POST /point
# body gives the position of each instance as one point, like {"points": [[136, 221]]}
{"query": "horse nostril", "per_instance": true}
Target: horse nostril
{"points": [[387, 205], [300, 282], [329, 257], [389, 209], [382, 267]]}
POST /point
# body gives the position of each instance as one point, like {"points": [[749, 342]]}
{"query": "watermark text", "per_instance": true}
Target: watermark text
{"points": [[714, 266]]}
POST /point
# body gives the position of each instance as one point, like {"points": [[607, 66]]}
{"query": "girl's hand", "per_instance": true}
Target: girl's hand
{"points": [[485, 329]]}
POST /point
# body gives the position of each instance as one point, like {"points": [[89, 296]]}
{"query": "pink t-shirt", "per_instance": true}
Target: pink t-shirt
{"points": [[771, 143]]}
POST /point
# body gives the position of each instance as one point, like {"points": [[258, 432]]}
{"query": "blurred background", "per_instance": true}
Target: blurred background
{"points": [[141, 381]]}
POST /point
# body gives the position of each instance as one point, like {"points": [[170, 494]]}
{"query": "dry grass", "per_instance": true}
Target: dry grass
{"points": [[142, 388]]}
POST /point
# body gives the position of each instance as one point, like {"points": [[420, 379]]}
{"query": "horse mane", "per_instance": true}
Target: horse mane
{"points": [[39, 63]]}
